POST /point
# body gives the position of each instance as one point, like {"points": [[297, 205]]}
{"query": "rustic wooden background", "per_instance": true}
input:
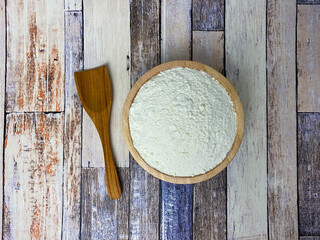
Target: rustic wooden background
{"points": [[53, 183]]}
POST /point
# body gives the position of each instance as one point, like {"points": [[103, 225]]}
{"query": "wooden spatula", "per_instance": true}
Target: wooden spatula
{"points": [[95, 92]]}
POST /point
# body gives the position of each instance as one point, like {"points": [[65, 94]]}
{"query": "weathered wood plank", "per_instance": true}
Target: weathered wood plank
{"points": [[245, 40], [308, 58], [282, 146], [308, 2], [176, 200], [310, 238], [35, 56], [72, 129], [107, 41], [208, 48], [2, 93], [309, 173], [73, 5], [33, 176], [144, 204], [102, 217], [145, 49], [210, 207], [175, 30], [145, 54], [176, 211], [208, 15], [210, 197]]}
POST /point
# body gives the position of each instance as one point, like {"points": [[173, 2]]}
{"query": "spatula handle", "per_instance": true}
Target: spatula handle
{"points": [[113, 183]]}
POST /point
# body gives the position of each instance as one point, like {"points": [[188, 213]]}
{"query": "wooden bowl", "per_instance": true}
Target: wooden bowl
{"points": [[234, 97]]}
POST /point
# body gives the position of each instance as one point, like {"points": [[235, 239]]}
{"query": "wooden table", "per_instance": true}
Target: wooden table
{"points": [[53, 181]]}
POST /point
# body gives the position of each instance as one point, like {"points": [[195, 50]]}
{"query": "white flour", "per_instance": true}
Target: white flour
{"points": [[182, 122]]}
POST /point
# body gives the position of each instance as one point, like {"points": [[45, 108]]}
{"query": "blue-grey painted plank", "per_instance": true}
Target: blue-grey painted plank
{"points": [[310, 238], [309, 173], [309, 2], [101, 216], [176, 211], [208, 15]]}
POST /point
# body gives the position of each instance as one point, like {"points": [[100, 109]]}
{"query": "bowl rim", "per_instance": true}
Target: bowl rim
{"points": [[237, 105]]}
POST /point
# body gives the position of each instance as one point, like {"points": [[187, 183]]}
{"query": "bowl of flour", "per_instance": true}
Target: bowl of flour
{"points": [[183, 122]]}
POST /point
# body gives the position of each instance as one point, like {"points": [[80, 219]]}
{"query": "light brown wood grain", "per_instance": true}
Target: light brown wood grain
{"points": [[2, 94], [35, 59], [210, 197], [102, 217], [237, 105], [208, 48], [145, 54], [95, 93], [72, 128], [308, 58], [33, 176], [245, 46], [107, 42], [282, 146], [175, 30]]}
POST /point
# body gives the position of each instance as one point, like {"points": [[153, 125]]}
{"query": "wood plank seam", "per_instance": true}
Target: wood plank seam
{"points": [[160, 201], [129, 191], [267, 126], [191, 50], [3, 73], [73, 11], [297, 117], [36, 112], [81, 130], [81, 189]]}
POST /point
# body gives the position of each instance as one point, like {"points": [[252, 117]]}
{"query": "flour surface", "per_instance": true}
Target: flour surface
{"points": [[182, 122]]}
